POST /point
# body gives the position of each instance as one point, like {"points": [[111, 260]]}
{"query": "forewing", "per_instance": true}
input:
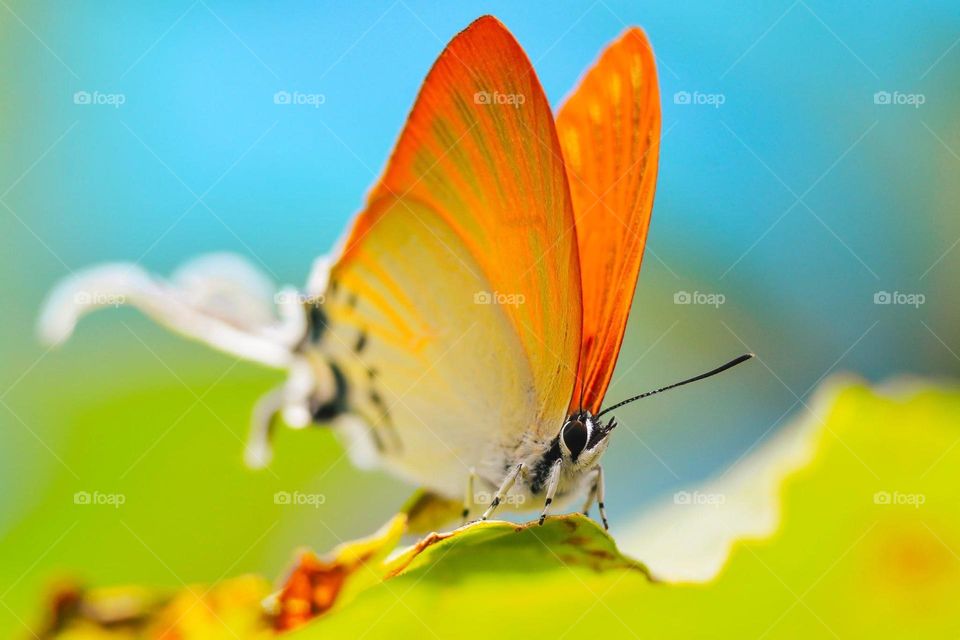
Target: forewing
{"points": [[464, 264], [609, 129], [440, 381]]}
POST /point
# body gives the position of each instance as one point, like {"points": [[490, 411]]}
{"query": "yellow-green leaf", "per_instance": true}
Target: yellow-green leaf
{"points": [[858, 536], [867, 547]]}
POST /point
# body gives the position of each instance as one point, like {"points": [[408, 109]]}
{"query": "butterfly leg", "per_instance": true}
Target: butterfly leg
{"points": [[300, 387], [603, 510], [591, 495], [505, 486], [552, 481], [468, 499], [289, 402], [265, 414]]}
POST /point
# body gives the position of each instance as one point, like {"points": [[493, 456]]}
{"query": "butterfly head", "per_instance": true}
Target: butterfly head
{"points": [[583, 438]]}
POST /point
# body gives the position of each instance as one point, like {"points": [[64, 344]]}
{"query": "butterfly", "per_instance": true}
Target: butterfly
{"points": [[464, 332]]}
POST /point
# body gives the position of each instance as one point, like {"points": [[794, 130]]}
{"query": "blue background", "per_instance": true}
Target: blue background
{"points": [[798, 199]]}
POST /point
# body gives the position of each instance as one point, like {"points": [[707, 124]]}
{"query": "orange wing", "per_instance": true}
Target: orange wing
{"points": [[480, 156], [610, 133]]}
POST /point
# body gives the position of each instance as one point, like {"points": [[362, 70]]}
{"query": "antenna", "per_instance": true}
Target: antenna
{"points": [[708, 374]]}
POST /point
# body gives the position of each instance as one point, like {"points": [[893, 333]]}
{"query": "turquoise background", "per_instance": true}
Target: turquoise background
{"points": [[126, 407]]}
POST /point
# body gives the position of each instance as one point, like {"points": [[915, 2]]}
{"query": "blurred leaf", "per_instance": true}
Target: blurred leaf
{"points": [[867, 547], [230, 609]]}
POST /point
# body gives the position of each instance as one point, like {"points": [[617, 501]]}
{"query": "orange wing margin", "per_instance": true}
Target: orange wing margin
{"points": [[480, 149], [610, 134]]}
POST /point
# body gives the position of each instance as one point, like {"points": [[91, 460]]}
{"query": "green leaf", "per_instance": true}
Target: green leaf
{"points": [[867, 547], [860, 511]]}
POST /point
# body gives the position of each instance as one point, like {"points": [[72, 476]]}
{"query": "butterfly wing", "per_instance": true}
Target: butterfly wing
{"points": [[609, 130], [454, 309]]}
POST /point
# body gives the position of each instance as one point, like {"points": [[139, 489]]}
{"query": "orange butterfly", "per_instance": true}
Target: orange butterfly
{"points": [[466, 331]]}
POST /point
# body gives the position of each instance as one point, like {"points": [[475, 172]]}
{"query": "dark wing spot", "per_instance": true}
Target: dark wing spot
{"points": [[361, 341], [338, 404], [317, 323], [385, 418]]}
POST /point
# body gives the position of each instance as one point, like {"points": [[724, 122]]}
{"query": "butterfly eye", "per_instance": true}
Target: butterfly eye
{"points": [[575, 437]]}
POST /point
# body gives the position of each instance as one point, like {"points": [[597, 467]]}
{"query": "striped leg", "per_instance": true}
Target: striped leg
{"points": [[552, 481], [603, 510], [502, 491], [468, 499], [591, 494]]}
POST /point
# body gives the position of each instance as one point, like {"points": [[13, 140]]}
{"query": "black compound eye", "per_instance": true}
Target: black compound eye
{"points": [[575, 437]]}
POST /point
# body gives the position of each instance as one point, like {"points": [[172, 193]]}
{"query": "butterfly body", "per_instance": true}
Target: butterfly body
{"points": [[574, 453], [576, 444]]}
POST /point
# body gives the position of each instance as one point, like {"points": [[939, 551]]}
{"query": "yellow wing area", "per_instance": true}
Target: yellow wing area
{"points": [[610, 133], [437, 374], [463, 268]]}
